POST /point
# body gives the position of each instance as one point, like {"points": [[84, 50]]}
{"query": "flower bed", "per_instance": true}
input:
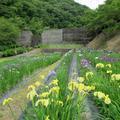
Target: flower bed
{"points": [[13, 71]]}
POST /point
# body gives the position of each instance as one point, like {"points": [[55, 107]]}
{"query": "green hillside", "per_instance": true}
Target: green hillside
{"points": [[36, 15], [104, 19]]}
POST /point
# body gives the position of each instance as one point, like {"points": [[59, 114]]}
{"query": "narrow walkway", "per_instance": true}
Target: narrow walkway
{"points": [[90, 111], [73, 72], [19, 94]]}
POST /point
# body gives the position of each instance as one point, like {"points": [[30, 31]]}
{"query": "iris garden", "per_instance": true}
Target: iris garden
{"points": [[62, 98]]}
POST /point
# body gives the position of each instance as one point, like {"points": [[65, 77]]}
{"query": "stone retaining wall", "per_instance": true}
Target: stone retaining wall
{"points": [[52, 36], [75, 35], [25, 38]]}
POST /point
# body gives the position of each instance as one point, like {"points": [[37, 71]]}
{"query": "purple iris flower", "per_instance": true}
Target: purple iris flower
{"points": [[85, 63]]}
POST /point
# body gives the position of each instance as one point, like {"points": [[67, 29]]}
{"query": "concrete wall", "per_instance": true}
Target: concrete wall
{"points": [[25, 38], [75, 35], [72, 35], [52, 36]]}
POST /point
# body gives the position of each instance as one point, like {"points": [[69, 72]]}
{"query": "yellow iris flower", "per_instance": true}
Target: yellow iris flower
{"points": [[108, 65], [45, 94], [54, 90], [7, 101], [100, 65], [44, 102], [89, 75], [32, 94], [54, 82]]}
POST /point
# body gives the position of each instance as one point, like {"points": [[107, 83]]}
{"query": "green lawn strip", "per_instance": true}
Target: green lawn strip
{"points": [[60, 46], [14, 72]]}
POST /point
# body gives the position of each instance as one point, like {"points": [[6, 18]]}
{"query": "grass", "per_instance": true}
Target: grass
{"points": [[61, 103], [13, 71], [103, 83], [62, 99], [60, 46]]}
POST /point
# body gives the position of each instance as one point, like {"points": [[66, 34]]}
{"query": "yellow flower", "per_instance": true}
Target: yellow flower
{"points": [[31, 87], [72, 85], [37, 84], [44, 102], [89, 75], [101, 95], [107, 100], [89, 88], [54, 82], [109, 71], [95, 94], [32, 94], [115, 77], [7, 101], [100, 65], [59, 102], [118, 77], [92, 87], [47, 118], [81, 87], [109, 65], [42, 76], [45, 94], [81, 79], [55, 90]]}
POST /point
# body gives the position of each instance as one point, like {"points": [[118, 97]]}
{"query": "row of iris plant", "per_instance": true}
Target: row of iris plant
{"points": [[53, 100], [103, 69], [13, 71], [61, 99]]}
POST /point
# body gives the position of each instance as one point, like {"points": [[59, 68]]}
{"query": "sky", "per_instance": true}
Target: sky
{"points": [[93, 4]]}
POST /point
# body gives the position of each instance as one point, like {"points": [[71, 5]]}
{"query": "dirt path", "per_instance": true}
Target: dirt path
{"points": [[19, 94]]}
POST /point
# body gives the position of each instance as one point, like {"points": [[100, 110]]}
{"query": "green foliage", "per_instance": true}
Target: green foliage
{"points": [[36, 26], [14, 51], [39, 14], [8, 34], [104, 19], [13, 71]]}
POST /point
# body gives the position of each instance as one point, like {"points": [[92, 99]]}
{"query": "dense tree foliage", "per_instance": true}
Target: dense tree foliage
{"points": [[104, 19], [37, 15], [8, 34]]}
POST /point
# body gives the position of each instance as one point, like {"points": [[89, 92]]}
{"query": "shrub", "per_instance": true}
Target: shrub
{"points": [[14, 51], [8, 34]]}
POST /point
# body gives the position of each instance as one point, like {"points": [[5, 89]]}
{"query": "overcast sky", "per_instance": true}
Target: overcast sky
{"points": [[93, 4]]}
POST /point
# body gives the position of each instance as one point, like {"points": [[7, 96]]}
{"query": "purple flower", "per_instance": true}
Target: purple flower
{"points": [[85, 63], [52, 73], [109, 59]]}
